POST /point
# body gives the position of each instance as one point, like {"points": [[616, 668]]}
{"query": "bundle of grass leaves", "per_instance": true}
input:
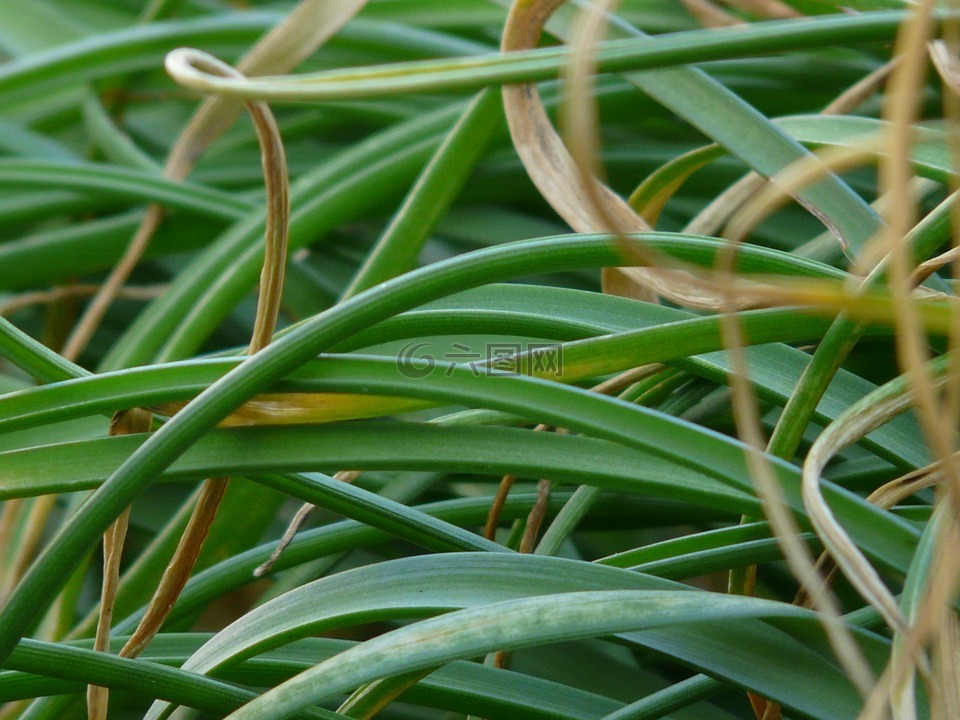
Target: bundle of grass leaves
{"points": [[451, 359]]}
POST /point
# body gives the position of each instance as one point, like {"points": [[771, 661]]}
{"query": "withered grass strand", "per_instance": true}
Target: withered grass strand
{"points": [[274, 163], [287, 45], [125, 422]]}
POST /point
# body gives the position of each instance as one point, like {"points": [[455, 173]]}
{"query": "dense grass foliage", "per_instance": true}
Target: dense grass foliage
{"points": [[335, 382]]}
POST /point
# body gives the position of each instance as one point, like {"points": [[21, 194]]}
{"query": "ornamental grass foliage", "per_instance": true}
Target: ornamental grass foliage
{"points": [[487, 359]]}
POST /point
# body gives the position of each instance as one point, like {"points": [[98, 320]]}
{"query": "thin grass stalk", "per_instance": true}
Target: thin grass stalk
{"points": [[268, 307], [901, 109], [307, 27], [126, 422]]}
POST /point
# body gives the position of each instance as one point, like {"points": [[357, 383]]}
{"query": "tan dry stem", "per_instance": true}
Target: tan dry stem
{"points": [[48, 297], [571, 187], [125, 422], [544, 155], [581, 118], [769, 9], [499, 500], [29, 543], [902, 112], [528, 542], [537, 514], [895, 175], [8, 521], [185, 556], [748, 202], [301, 516], [859, 421], [98, 698], [943, 54], [782, 523], [710, 15], [860, 91], [178, 570], [928, 267], [607, 387], [288, 44]]}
